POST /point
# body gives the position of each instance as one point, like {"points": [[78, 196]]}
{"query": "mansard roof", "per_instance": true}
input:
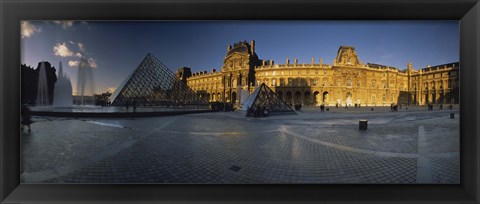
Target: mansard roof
{"points": [[240, 47], [380, 66], [453, 64]]}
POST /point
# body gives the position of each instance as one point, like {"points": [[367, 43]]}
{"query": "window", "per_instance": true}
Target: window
{"points": [[282, 82], [274, 73], [274, 82], [373, 84], [282, 73], [315, 82], [266, 73], [373, 98], [299, 72], [349, 82], [384, 85], [316, 71], [358, 83], [384, 98]]}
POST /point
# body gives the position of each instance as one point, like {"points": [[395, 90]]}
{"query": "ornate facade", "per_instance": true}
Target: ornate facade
{"points": [[347, 81]]}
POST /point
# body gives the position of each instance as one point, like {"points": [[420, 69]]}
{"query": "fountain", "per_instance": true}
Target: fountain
{"points": [[62, 95], [42, 91], [85, 85]]}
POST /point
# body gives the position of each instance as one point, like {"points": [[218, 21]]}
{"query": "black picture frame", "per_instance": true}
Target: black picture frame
{"points": [[12, 12]]}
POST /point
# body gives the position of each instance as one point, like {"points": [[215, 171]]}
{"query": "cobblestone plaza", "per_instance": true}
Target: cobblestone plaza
{"points": [[404, 147]]}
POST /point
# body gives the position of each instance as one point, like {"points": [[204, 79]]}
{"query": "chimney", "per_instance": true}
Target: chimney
{"points": [[252, 46]]}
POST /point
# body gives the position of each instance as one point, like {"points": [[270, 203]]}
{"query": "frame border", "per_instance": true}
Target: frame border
{"points": [[12, 12]]}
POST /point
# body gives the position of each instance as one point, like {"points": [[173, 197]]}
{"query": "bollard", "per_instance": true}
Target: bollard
{"points": [[452, 115], [363, 124], [328, 109]]}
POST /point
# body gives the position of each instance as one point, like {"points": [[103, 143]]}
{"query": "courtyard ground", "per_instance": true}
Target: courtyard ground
{"points": [[408, 146]]}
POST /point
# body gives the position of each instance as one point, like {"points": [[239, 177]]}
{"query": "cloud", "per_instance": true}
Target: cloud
{"points": [[111, 89], [78, 54], [92, 63], [61, 49], [64, 24], [73, 63], [28, 29], [81, 47]]}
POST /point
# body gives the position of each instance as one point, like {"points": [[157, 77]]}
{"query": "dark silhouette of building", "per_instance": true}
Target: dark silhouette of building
{"points": [[29, 83]]}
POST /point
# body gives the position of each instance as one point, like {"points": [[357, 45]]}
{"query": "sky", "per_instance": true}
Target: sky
{"points": [[115, 48]]}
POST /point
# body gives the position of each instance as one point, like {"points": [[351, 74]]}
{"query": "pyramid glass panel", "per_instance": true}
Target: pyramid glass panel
{"points": [[153, 84], [264, 97]]}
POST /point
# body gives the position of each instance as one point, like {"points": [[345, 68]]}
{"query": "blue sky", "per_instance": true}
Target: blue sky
{"points": [[116, 48]]}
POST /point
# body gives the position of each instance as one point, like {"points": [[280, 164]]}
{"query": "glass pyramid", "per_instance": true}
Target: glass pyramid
{"points": [[153, 84], [264, 97]]}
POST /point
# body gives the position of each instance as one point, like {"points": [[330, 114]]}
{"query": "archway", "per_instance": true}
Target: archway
{"points": [[325, 97], [234, 97], [348, 100], [298, 97], [289, 97]]}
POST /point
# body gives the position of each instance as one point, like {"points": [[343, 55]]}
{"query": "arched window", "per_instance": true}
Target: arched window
{"points": [[349, 82], [358, 83], [274, 82], [384, 98]]}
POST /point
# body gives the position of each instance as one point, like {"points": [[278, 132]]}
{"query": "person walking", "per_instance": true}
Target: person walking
{"points": [[26, 118]]}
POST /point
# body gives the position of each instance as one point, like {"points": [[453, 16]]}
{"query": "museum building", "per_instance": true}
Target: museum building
{"points": [[348, 81]]}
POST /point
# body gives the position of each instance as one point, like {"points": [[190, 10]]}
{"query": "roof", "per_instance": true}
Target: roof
{"points": [[240, 47]]}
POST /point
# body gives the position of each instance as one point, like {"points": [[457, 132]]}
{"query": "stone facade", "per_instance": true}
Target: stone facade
{"points": [[348, 81]]}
